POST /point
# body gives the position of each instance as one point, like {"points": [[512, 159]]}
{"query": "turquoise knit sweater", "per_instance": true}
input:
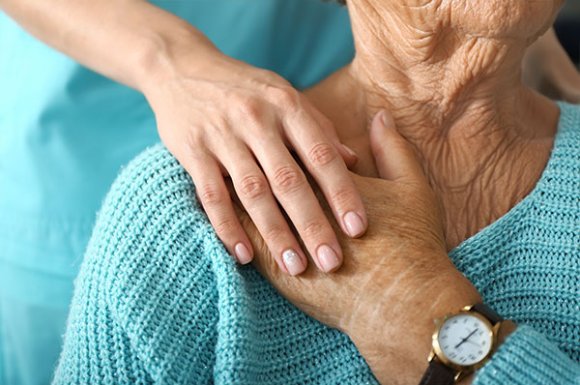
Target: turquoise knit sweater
{"points": [[159, 301]]}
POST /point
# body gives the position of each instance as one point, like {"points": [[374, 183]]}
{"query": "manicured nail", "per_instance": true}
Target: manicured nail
{"points": [[293, 262], [350, 151], [327, 259], [242, 254], [353, 224]]}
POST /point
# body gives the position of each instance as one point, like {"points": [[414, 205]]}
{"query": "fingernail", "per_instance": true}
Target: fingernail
{"points": [[385, 119], [242, 254], [349, 151], [293, 262], [327, 258], [353, 224]]}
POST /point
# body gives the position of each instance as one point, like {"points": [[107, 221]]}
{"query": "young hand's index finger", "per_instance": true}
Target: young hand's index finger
{"points": [[329, 170]]}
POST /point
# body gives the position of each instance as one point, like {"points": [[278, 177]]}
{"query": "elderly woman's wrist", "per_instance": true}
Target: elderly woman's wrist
{"points": [[395, 338]]}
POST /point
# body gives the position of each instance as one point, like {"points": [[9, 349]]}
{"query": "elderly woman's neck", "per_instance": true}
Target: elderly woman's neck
{"points": [[483, 138], [437, 81]]}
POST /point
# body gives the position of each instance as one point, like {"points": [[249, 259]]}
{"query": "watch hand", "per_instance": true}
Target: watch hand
{"points": [[466, 338]]}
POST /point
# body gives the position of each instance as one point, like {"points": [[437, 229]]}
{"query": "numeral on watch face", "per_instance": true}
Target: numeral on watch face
{"points": [[465, 339]]}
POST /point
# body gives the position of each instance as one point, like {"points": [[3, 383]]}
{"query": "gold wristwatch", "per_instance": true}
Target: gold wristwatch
{"points": [[462, 342]]}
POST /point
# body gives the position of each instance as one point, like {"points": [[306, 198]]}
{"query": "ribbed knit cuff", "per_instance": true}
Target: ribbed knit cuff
{"points": [[528, 358]]}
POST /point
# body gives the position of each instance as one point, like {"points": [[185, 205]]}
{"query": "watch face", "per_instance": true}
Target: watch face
{"points": [[465, 339]]}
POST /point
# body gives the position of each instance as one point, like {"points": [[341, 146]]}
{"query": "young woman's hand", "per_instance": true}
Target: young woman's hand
{"points": [[220, 117], [396, 279]]}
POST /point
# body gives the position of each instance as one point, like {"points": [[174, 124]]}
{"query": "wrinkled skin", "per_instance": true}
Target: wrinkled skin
{"points": [[398, 272], [455, 91], [449, 73]]}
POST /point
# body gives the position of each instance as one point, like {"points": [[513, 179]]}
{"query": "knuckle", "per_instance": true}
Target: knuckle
{"points": [[253, 186], [313, 230], [274, 234], [250, 108], [270, 77], [322, 154], [211, 195], [226, 227], [192, 142], [288, 179], [217, 125], [283, 96], [343, 197]]}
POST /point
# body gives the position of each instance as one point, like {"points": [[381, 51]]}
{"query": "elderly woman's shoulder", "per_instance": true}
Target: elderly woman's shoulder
{"points": [[147, 268], [155, 170], [149, 206]]}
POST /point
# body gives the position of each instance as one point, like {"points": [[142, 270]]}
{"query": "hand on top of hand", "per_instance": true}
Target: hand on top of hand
{"points": [[396, 279], [230, 119]]}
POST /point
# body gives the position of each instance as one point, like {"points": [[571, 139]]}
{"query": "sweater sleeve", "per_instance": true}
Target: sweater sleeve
{"points": [[528, 358], [145, 308], [145, 303]]}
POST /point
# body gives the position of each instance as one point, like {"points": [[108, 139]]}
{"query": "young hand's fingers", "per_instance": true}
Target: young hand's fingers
{"points": [[216, 201], [256, 197], [347, 154], [394, 157], [296, 196], [328, 169]]}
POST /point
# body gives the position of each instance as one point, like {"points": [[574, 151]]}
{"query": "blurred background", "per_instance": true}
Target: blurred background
{"points": [[568, 28]]}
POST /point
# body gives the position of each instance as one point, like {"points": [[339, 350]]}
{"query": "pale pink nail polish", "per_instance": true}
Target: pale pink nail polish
{"points": [[293, 262], [353, 224], [242, 254], [327, 258]]}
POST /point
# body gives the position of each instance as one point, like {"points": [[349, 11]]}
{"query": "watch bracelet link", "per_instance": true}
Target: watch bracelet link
{"points": [[440, 374]]}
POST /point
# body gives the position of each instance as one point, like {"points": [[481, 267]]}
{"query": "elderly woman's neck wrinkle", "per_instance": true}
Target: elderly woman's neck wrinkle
{"points": [[419, 62], [454, 89], [474, 72]]}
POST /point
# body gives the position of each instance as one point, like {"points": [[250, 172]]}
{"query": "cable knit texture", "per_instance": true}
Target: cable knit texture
{"points": [[159, 301]]}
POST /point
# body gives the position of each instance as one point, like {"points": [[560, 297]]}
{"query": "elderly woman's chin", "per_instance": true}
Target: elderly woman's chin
{"points": [[502, 18]]}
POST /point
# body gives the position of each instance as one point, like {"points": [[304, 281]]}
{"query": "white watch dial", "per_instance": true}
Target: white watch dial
{"points": [[465, 339]]}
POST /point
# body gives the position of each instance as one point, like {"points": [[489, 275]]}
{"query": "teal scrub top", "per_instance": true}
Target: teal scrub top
{"points": [[65, 132]]}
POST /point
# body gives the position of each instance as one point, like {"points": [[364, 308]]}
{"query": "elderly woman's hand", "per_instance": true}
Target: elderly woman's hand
{"points": [[397, 279]]}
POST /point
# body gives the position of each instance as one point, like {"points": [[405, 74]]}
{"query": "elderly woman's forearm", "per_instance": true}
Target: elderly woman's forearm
{"points": [[128, 41]]}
